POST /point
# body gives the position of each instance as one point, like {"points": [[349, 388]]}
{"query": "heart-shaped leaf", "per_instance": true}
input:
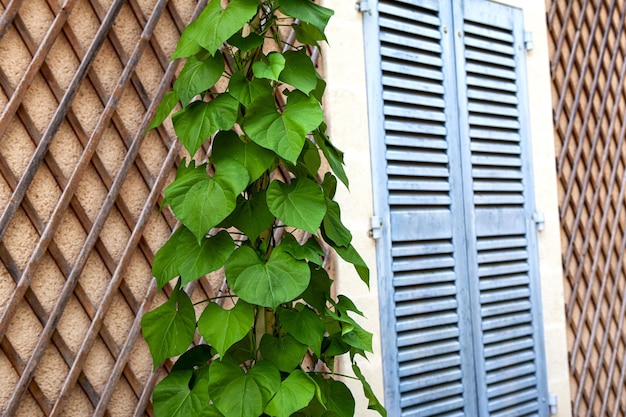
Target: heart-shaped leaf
{"points": [[336, 396], [333, 155], [267, 377], [253, 40], [350, 255], [299, 204], [182, 256], [280, 279], [295, 393], [270, 69], [307, 11], [304, 325], [173, 397], [310, 250], [256, 159], [198, 75], [199, 120], [308, 34], [222, 328], [186, 46], [247, 91], [318, 291], [252, 216], [299, 71], [215, 25], [285, 351], [169, 328], [234, 393], [283, 133]]}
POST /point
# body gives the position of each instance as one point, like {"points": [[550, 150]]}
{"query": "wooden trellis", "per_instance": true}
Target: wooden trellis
{"points": [[80, 190], [588, 52]]}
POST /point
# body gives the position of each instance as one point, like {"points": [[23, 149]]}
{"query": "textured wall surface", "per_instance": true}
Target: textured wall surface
{"points": [[80, 188], [588, 65]]}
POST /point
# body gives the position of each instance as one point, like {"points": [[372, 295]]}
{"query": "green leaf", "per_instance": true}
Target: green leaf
{"points": [[333, 155], [304, 325], [285, 352], [308, 34], [186, 177], [267, 377], [345, 304], [350, 255], [198, 75], [310, 250], [215, 25], [333, 227], [310, 158], [307, 11], [252, 216], [196, 357], [299, 204], [299, 71], [256, 159], [173, 398], [336, 396], [186, 46], [202, 202], [253, 40], [295, 393], [169, 328], [372, 403], [199, 120], [242, 351], [359, 338], [234, 393], [166, 106], [282, 278], [271, 68], [182, 256], [318, 291], [283, 133], [222, 328], [246, 91], [329, 185]]}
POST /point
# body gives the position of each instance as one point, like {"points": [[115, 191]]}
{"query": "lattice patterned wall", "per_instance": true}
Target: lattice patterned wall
{"points": [[588, 51], [80, 188]]}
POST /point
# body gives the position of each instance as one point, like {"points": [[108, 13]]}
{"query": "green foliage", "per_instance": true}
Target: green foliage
{"points": [[256, 119]]}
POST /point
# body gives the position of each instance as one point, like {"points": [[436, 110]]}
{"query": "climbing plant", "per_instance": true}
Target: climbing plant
{"points": [[259, 208]]}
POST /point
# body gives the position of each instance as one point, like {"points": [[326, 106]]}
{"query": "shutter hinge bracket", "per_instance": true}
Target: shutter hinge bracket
{"points": [[363, 6], [540, 220], [528, 41], [376, 232], [553, 401]]}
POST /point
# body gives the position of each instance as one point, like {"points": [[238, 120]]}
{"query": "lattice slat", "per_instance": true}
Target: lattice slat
{"points": [[587, 53]]}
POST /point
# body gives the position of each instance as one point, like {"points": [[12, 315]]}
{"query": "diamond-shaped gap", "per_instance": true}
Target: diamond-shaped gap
{"points": [[114, 234], [138, 276], [50, 373], [119, 319], [73, 324], [20, 239], [98, 365], [94, 278], [23, 330], [78, 404], [91, 193], [16, 148], [61, 62], [127, 29], [87, 106], [29, 407], [123, 400], [167, 32], [134, 193], [70, 237], [8, 376], [154, 152], [47, 283], [149, 72], [84, 23], [111, 151], [107, 68], [43, 193]]}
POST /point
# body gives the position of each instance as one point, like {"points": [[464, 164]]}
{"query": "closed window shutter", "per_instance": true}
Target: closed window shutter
{"points": [[461, 324], [499, 206]]}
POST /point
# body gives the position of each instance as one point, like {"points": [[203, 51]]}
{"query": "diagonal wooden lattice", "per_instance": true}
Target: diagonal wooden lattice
{"points": [[80, 187], [588, 53]]}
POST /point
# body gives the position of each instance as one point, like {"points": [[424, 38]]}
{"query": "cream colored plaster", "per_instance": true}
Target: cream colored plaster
{"points": [[546, 196], [346, 109]]}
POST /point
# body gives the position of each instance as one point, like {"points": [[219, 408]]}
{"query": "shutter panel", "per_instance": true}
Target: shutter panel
{"points": [[417, 78], [457, 265], [501, 239]]}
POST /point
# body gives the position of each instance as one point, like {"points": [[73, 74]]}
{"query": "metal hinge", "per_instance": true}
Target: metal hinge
{"points": [[553, 401], [376, 232], [363, 6], [528, 41], [540, 220]]}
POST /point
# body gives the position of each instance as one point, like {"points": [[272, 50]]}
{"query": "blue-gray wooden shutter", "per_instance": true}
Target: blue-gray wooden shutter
{"points": [[461, 324]]}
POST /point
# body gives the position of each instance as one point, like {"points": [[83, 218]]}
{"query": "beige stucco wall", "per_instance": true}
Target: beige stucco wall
{"points": [[346, 103]]}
